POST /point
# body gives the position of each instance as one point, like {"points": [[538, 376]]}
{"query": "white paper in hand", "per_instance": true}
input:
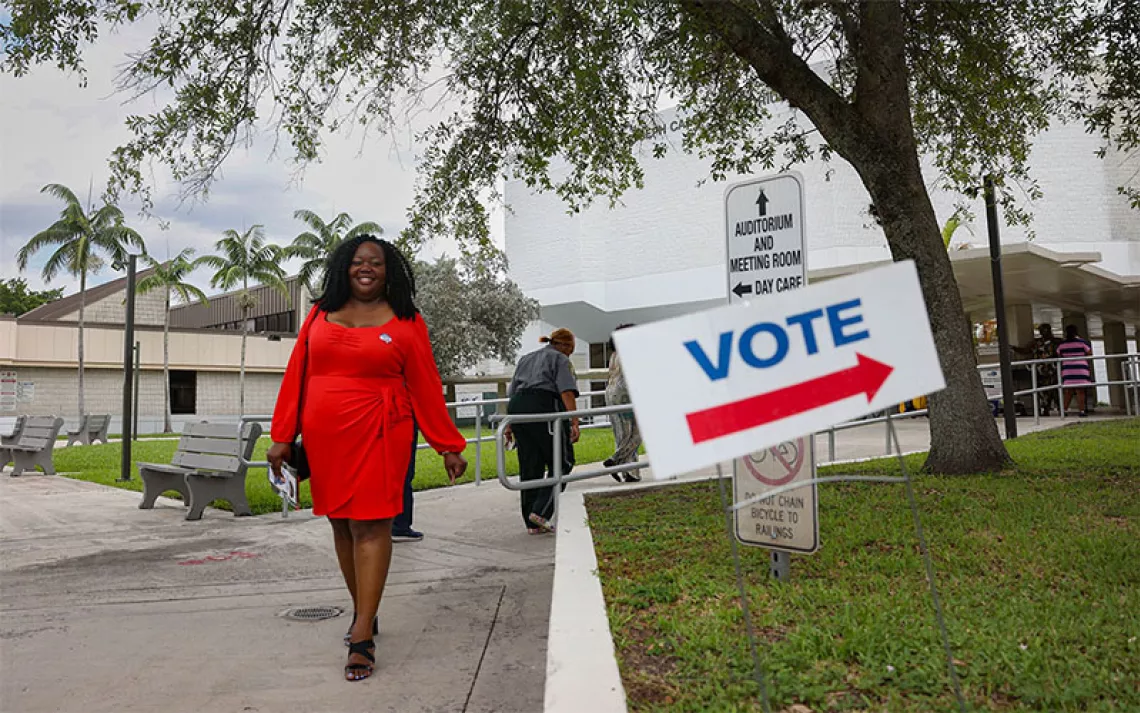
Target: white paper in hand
{"points": [[286, 486]]}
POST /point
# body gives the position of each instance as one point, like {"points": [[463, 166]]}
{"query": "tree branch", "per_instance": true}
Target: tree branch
{"points": [[778, 66]]}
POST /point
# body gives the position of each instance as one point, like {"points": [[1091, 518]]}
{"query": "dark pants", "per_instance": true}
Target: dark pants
{"points": [[403, 521], [536, 450]]}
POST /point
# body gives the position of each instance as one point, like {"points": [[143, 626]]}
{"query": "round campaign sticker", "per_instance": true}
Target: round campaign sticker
{"points": [[777, 465]]}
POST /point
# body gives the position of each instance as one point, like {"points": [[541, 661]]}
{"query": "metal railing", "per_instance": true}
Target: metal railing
{"points": [[478, 404], [1130, 367], [557, 478]]}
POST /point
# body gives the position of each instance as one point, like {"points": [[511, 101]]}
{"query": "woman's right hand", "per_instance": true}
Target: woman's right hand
{"points": [[277, 455]]}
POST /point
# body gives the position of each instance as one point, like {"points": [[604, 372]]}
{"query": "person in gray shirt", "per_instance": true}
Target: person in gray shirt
{"points": [[544, 382]]}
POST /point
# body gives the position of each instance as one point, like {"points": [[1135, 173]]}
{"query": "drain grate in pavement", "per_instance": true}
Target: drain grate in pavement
{"points": [[313, 613]]}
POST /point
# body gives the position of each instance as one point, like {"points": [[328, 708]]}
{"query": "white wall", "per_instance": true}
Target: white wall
{"points": [[664, 245]]}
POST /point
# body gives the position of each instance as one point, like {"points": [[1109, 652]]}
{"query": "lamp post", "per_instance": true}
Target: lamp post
{"points": [[128, 370], [1009, 408]]}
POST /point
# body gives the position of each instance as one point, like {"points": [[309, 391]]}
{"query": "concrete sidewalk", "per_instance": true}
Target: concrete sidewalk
{"points": [[104, 607]]}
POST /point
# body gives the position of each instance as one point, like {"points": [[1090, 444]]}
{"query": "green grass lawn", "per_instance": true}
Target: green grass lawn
{"points": [[101, 464], [1038, 568]]}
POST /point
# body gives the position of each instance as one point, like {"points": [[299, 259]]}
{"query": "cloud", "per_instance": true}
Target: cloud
{"points": [[55, 131]]}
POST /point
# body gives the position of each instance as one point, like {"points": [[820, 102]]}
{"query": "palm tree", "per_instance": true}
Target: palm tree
{"points": [[170, 276], [245, 258], [78, 238], [314, 246]]}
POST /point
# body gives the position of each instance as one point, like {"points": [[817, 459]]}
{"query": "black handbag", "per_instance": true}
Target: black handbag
{"points": [[297, 459]]}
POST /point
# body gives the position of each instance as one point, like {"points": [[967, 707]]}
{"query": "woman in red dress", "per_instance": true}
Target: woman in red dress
{"points": [[369, 367]]}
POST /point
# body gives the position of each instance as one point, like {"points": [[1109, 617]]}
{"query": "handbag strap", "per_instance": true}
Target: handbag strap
{"points": [[304, 371]]}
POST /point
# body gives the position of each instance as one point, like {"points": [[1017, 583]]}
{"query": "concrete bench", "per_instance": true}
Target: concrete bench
{"points": [[91, 429], [207, 466], [35, 445], [6, 442]]}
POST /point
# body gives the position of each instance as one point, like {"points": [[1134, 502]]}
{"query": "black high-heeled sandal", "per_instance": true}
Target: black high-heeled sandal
{"points": [[375, 628], [360, 671]]}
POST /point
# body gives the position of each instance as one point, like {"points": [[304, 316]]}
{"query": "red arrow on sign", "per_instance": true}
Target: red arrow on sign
{"points": [[866, 377]]}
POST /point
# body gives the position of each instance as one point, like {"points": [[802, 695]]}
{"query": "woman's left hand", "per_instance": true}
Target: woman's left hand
{"points": [[455, 465]]}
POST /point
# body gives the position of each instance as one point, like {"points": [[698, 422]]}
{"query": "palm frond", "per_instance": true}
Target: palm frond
{"points": [[365, 228], [189, 293], [61, 259], [62, 192], [310, 219], [340, 224], [57, 234], [211, 261]]}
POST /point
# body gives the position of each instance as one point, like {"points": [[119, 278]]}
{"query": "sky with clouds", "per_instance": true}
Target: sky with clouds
{"points": [[52, 130]]}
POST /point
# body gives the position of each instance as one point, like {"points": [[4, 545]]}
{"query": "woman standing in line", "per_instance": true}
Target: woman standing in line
{"points": [[627, 436], [367, 360], [1076, 369], [543, 383]]}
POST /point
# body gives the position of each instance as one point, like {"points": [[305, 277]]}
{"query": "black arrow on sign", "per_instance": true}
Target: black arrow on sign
{"points": [[742, 289], [762, 201]]}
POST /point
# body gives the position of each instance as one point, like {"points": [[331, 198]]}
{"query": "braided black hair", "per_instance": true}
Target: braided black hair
{"points": [[399, 280]]}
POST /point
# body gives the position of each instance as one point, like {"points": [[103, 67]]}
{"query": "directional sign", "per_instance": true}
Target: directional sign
{"points": [[730, 381], [764, 229], [767, 255]]}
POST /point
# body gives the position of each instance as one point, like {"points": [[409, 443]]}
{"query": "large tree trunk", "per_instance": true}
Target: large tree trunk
{"points": [[82, 309], [166, 426], [963, 435]]}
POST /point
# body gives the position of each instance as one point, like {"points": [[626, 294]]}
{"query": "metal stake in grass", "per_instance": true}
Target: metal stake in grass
{"points": [[929, 569], [757, 671]]}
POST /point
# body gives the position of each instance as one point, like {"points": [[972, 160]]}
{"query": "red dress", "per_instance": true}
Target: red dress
{"points": [[363, 385]]}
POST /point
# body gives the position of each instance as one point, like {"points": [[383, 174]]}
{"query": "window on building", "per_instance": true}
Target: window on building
{"points": [[183, 392]]}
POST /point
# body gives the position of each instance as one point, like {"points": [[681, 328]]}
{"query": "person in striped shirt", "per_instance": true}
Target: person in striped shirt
{"points": [[1076, 370]]}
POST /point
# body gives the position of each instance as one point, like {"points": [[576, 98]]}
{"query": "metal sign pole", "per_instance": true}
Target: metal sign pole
{"points": [[1008, 405], [138, 370], [781, 567], [128, 367]]}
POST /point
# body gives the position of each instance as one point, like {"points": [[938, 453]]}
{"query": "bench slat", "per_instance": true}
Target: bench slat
{"points": [[38, 431], [163, 468], [30, 444], [206, 462], [212, 430], [220, 446]]}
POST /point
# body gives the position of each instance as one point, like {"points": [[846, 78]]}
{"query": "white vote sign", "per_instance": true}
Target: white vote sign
{"points": [[764, 232], [711, 386]]}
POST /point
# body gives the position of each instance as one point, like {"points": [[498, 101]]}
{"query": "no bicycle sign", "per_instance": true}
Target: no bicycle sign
{"points": [[737, 380]]}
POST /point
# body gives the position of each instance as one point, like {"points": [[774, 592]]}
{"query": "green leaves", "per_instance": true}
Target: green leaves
{"points": [[83, 242], [564, 96], [16, 298], [245, 258], [473, 311], [171, 275]]}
